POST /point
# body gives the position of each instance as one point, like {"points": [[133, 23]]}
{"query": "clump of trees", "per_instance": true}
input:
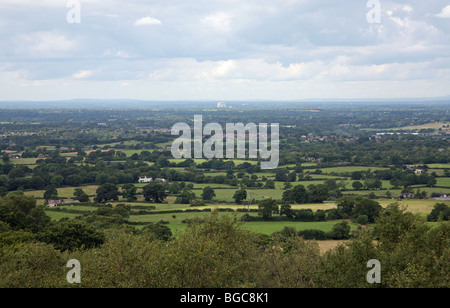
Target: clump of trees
{"points": [[441, 211], [340, 231], [155, 192], [216, 253], [301, 195], [208, 193], [359, 209]]}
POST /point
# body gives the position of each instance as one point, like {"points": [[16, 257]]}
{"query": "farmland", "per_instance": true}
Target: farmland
{"points": [[329, 188], [175, 215], [224, 193]]}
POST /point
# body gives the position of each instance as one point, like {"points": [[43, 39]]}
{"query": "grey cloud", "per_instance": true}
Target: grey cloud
{"points": [[261, 40]]}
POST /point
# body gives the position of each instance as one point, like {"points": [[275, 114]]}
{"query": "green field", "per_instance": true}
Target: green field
{"points": [[79, 208], [438, 166], [59, 215], [306, 165], [212, 185], [131, 152], [226, 195], [22, 161], [274, 226], [443, 182], [422, 206], [66, 192], [264, 227], [433, 125], [72, 154], [176, 221], [346, 169]]}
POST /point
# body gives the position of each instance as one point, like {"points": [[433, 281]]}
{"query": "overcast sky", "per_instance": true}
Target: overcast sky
{"points": [[223, 49]]}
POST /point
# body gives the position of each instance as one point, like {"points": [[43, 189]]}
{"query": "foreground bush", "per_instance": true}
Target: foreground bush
{"points": [[411, 253], [219, 253]]}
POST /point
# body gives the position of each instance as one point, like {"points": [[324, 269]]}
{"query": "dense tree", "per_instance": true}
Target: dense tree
{"points": [[51, 193], [304, 215], [129, 192], [357, 185], [355, 206], [441, 211], [292, 177], [160, 231], [411, 254], [155, 192], [270, 184], [21, 212], [162, 161], [318, 193], [372, 184], [5, 158], [187, 196], [175, 188], [57, 180], [267, 208], [297, 194], [240, 195], [340, 231], [80, 195], [346, 204], [107, 192], [71, 235], [286, 209], [208, 193], [367, 207], [281, 175], [331, 184]]}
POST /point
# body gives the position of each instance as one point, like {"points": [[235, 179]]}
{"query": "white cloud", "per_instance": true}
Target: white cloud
{"points": [[445, 12], [47, 43], [218, 21], [213, 44], [147, 21], [224, 68], [83, 74], [116, 53], [407, 8]]}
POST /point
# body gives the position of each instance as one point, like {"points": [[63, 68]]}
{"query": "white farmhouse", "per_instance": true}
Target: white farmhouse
{"points": [[145, 179]]}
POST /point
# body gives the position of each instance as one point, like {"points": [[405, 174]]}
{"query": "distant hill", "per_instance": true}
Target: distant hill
{"points": [[131, 103]]}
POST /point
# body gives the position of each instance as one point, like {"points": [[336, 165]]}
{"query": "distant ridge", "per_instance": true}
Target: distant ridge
{"points": [[135, 103]]}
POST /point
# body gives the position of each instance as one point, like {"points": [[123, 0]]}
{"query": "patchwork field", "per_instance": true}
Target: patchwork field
{"points": [[349, 169], [177, 220], [433, 125], [438, 166], [271, 227], [66, 192]]}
